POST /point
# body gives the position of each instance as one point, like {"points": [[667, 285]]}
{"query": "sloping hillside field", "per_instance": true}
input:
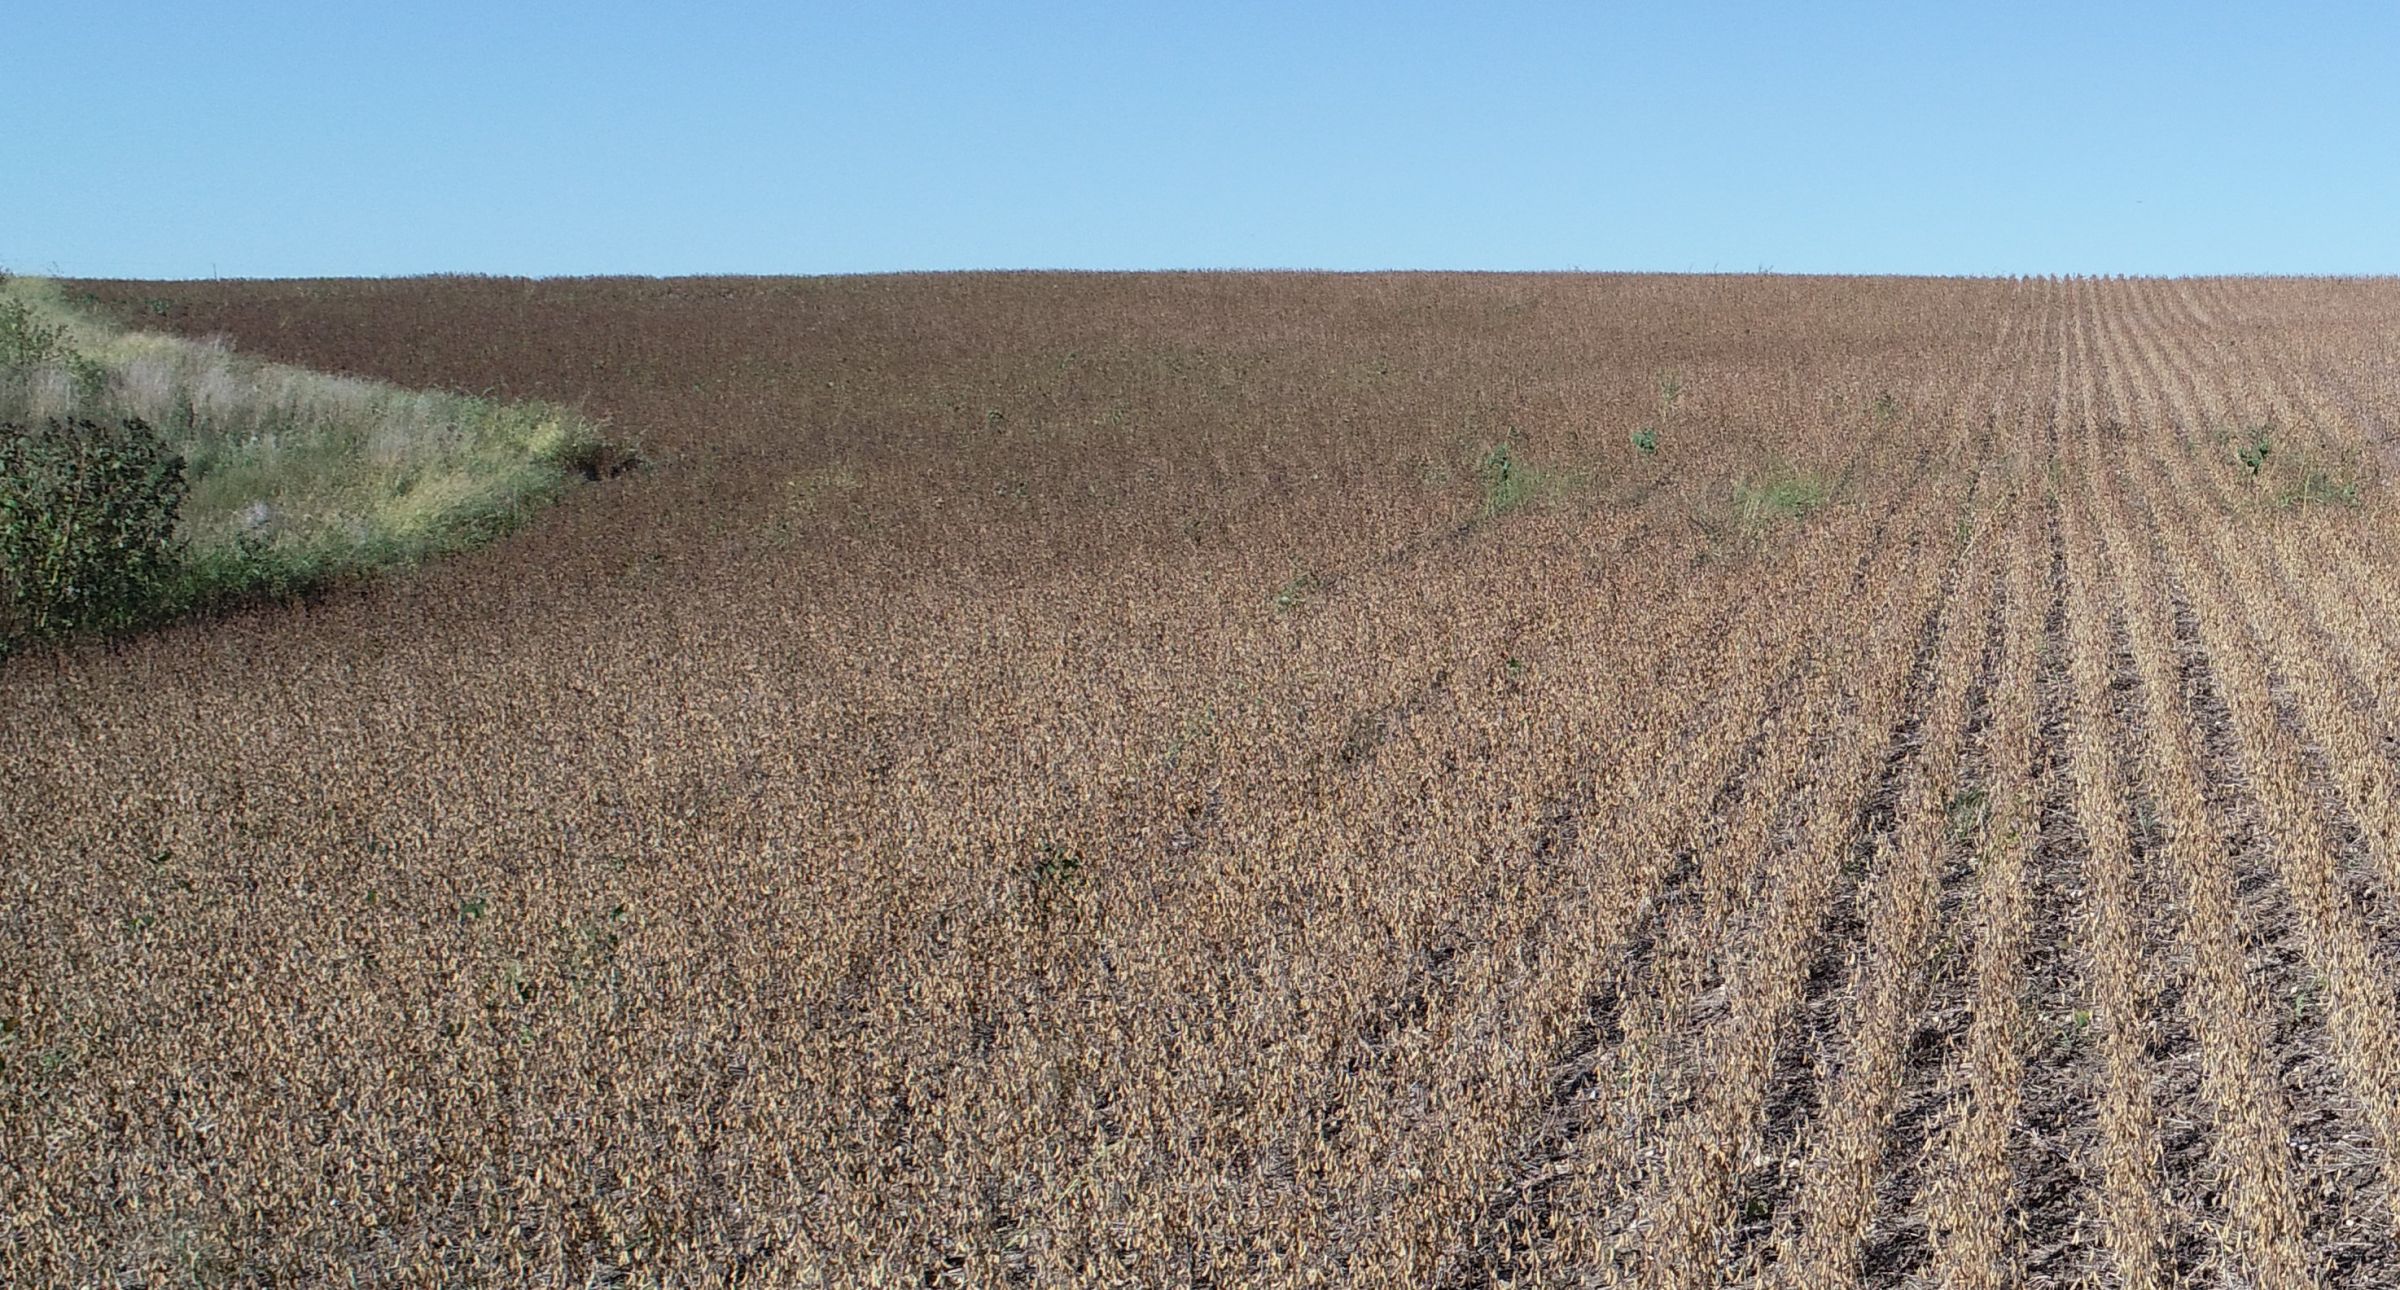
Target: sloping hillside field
{"points": [[1262, 780]]}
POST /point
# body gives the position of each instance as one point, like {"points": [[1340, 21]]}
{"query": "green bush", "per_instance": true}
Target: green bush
{"points": [[87, 526], [25, 340]]}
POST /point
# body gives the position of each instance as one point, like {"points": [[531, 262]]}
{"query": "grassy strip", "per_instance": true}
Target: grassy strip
{"points": [[295, 478]]}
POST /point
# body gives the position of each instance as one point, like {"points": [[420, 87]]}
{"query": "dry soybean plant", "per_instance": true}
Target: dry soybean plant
{"points": [[1050, 789]]}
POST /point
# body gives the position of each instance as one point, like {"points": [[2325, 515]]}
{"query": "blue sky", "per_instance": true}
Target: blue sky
{"points": [[181, 140]]}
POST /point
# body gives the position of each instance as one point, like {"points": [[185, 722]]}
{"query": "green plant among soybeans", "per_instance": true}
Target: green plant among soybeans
{"points": [[2253, 449], [1645, 438]]}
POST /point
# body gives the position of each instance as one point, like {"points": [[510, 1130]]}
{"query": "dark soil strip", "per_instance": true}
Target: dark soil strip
{"points": [[2340, 1160], [2363, 886], [2342, 1178], [1517, 1220], [1796, 1089], [1432, 967], [1897, 1244], [1669, 928], [2187, 1180], [2057, 1142], [2339, 1169]]}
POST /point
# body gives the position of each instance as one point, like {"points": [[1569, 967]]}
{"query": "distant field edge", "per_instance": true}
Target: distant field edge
{"points": [[146, 477]]}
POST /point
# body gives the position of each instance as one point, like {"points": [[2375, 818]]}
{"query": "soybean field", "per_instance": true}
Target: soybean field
{"points": [[1261, 780]]}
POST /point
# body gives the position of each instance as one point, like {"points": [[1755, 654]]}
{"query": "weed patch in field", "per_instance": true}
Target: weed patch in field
{"points": [[2310, 478], [1509, 481], [1781, 495], [1646, 437], [2291, 472], [1757, 506]]}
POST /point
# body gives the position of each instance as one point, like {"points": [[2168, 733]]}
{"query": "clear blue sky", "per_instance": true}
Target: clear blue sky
{"points": [[176, 140]]}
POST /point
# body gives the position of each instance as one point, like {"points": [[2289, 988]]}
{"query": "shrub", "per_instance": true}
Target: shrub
{"points": [[87, 526], [26, 342]]}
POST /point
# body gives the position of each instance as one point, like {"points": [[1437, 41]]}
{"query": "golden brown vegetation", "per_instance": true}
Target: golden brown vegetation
{"points": [[1263, 780]]}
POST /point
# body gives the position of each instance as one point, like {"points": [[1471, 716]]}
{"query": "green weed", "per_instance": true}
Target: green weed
{"points": [[1645, 438], [1780, 495], [1509, 481], [1969, 808], [1054, 873], [2315, 477], [2078, 1022], [2316, 486], [2254, 448], [1757, 506]]}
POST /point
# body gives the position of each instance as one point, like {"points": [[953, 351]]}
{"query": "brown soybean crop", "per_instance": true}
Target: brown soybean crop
{"points": [[1229, 779]]}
